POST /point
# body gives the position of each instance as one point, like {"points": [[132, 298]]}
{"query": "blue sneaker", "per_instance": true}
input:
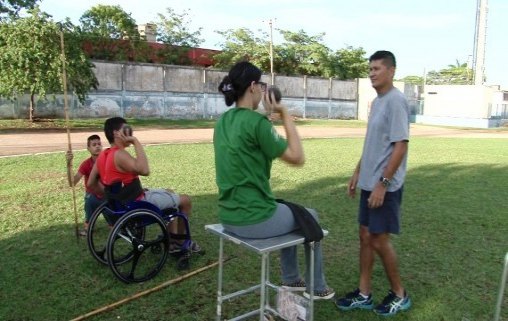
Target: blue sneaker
{"points": [[354, 300], [392, 304]]}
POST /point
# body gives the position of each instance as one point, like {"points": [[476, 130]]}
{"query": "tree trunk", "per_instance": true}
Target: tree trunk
{"points": [[31, 110]]}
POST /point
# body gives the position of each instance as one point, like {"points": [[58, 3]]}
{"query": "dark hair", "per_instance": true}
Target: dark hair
{"points": [[387, 57], [112, 124], [93, 137], [239, 78]]}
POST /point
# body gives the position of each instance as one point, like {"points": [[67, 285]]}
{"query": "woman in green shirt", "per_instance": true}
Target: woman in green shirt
{"points": [[245, 144]]}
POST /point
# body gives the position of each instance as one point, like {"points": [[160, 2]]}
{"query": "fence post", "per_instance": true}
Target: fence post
{"points": [[205, 96], [122, 107], [304, 96], [329, 97], [164, 92]]}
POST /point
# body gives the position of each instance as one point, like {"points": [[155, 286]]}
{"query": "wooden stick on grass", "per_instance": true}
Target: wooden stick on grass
{"points": [[69, 145], [143, 293]]}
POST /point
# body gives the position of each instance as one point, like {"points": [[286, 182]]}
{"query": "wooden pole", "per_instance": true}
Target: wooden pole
{"points": [[143, 293], [69, 145]]}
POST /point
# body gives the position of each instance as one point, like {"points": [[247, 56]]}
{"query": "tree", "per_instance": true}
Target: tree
{"points": [[12, 7], [109, 22], [109, 33], [30, 59], [299, 54], [302, 54], [173, 29], [457, 74], [241, 44], [414, 80], [350, 63]]}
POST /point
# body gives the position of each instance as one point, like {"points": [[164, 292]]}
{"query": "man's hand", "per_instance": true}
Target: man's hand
{"points": [[377, 196], [69, 156], [351, 187]]}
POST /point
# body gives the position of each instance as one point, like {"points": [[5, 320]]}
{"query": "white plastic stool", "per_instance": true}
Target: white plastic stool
{"points": [[500, 296], [262, 247]]}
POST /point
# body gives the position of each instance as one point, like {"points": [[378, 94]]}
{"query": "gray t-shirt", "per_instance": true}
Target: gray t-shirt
{"points": [[388, 123]]}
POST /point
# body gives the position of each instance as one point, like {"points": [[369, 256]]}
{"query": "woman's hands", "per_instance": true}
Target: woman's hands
{"points": [[271, 105]]}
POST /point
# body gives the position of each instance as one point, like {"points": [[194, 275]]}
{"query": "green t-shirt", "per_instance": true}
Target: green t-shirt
{"points": [[245, 144]]}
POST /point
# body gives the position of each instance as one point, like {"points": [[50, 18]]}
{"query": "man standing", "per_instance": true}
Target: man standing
{"points": [[380, 175]]}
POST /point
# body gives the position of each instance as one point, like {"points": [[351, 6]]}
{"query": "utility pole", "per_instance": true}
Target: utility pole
{"points": [[479, 41], [270, 22]]}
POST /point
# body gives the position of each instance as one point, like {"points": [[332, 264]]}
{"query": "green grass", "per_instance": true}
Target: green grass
{"points": [[451, 248], [13, 125], [9, 125]]}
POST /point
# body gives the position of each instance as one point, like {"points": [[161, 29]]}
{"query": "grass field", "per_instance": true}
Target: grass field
{"points": [[454, 234], [13, 125]]}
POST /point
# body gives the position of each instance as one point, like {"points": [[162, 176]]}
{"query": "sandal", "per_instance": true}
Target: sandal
{"points": [[82, 233]]}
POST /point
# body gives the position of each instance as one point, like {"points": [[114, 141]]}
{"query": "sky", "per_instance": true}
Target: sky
{"points": [[423, 35]]}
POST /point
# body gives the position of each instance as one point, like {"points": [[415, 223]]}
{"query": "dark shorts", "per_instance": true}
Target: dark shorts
{"points": [[384, 219]]}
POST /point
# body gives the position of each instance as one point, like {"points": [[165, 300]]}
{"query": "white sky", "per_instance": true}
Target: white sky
{"points": [[423, 35]]}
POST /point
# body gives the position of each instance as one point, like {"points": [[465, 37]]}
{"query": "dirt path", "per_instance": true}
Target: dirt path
{"points": [[14, 144]]}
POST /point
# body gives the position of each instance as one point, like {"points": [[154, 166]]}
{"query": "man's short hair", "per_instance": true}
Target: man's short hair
{"points": [[112, 124], [92, 137], [387, 57]]}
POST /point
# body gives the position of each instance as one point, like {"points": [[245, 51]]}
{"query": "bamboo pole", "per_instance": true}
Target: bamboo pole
{"points": [[143, 293], [69, 145]]}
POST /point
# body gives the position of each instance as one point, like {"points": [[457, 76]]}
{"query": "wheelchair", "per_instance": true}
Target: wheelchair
{"points": [[132, 238]]}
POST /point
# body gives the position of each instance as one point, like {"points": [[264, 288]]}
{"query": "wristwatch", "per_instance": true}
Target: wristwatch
{"points": [[384, 181]]}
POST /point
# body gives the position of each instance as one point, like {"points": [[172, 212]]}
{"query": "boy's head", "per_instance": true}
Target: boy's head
{"points": [[111, 125], [94, 145]]}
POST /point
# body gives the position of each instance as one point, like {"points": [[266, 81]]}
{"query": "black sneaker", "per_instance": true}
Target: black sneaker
{"points": [[354, 300], [392, 304], [326, 294], [295, 286]]}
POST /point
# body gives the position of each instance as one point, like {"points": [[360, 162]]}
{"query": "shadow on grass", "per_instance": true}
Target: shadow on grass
{"points": [[450, 251]]}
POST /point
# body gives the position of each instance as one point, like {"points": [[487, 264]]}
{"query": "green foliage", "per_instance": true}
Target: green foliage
{"points": [[11, 8], [302, 54], [241, 44], [105, 21], [458, 74], [415, 80], [299, 54], [451, 248], [173, 29], [350, 63], [31, 61]]}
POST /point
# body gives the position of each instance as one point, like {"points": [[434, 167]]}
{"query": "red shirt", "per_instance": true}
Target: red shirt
{"points": [[108, 172], [85, 169]]}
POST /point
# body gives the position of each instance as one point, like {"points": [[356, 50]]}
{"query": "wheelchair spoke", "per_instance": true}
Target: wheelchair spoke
{"points": [[135, 260], [138, 246]]}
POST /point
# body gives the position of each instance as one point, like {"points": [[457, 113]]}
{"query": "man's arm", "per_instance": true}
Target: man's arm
{"points": [[69, 156], [94, 182], [377, 196], [138, 165], [353, 181]]}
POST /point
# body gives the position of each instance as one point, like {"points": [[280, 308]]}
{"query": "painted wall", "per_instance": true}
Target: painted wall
{"points": [[176, 92], [464, 101]]}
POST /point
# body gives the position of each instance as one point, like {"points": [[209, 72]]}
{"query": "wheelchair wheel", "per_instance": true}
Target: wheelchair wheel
{"points": [[138, 246], [99, 227]]}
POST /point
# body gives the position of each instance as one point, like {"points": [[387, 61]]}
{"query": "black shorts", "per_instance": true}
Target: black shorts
{"points": [[384, 219]]}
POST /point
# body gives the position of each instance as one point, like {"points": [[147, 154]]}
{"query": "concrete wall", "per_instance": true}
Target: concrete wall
{"points": [[152, 90], [464, 101]]}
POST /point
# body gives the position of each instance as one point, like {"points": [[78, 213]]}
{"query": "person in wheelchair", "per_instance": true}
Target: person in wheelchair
{"points": [[117, 168]]}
